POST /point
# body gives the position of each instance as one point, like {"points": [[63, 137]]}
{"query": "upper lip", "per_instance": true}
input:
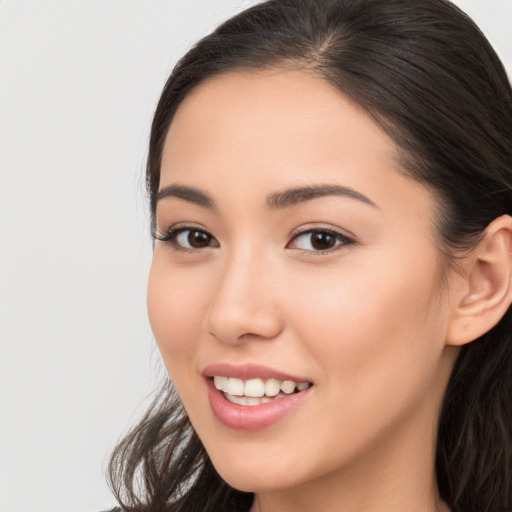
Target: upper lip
{"points": [[248, 371]]}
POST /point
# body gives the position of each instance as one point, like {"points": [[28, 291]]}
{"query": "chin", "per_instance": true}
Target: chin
{"points": [[256, 483], [258, 475]]}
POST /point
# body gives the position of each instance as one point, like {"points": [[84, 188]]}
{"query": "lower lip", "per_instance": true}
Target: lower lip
{"points": [[252, 417]]}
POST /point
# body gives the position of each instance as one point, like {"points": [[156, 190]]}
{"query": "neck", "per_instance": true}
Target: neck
{"points": [[258, 506]]}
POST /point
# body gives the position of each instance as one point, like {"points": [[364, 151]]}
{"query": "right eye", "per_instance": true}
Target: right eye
{"points": [[188, 239]]}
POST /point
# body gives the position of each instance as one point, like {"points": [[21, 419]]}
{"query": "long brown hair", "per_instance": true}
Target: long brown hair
{"points": [[428, 76]]}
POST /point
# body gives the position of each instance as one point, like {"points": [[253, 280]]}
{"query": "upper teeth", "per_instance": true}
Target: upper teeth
{"points": [[257, 387]]}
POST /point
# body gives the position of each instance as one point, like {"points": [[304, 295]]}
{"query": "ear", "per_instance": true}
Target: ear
{"points": [[486, 293]]}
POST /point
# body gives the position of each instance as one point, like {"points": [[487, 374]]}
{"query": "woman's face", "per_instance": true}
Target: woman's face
{"points": [[294, 249]]}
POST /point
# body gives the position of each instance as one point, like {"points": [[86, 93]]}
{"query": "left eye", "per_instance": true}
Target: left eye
{"points": [[318, 240]]}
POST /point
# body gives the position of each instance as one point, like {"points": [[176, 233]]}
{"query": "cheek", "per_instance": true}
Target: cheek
{"points": [[176, 301], [175, 308], [374, 328]]}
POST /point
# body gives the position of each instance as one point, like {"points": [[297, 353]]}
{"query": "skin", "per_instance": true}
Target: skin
{"points": [[366, 322]]}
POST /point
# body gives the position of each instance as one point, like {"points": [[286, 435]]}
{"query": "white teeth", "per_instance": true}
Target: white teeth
{"points": [[254, 388], [272, 387], [234, 387], [288, 386], [240, 400], [220, 382], [241, 391], [244, 400]]}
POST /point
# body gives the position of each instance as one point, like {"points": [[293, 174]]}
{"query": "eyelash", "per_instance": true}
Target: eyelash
{"points": [[339, 239], [171, 236]]}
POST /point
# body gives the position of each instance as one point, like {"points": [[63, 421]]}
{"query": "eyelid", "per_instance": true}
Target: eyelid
{"points": [[170, 235], [343, 239], [322, 226], [158, 233]]}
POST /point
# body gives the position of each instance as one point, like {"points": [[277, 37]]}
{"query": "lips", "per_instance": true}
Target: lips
{"points": [[253, 397]]}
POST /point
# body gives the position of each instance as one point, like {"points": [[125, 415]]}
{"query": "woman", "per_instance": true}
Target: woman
{"points": [[330, 187]]}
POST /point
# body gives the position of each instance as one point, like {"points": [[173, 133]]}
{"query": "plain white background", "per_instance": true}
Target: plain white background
{"points": [[78, 84]]}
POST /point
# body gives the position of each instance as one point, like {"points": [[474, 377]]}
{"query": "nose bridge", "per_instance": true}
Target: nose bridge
{"points": [[244, 304]]}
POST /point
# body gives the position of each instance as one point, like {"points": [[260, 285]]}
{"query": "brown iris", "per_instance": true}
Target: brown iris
{"points": [[199, 239], [322, 240]]}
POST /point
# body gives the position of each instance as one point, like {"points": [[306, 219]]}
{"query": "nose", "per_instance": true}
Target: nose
{"points": [[245, 306]]}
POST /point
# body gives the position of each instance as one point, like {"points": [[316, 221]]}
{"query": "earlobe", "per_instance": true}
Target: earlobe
{"points": [[487, 292]]}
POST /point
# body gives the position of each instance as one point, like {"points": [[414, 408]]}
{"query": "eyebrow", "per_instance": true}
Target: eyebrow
{"points": [[294, 196], [190, 194], [275, 201]]}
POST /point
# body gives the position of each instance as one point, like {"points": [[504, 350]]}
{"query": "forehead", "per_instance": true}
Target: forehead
{"points": [[267, 130], [280, 108]]}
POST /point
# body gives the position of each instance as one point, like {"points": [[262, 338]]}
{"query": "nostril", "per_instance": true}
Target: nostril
{"points": [[242, 324]]}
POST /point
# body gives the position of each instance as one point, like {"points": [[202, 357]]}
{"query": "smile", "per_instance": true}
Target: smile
{"points": [[254, 392], [251, 397]]}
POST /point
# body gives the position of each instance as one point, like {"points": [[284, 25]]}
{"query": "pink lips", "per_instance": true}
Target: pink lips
{"points": [[248, 371], [250, 418]]}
